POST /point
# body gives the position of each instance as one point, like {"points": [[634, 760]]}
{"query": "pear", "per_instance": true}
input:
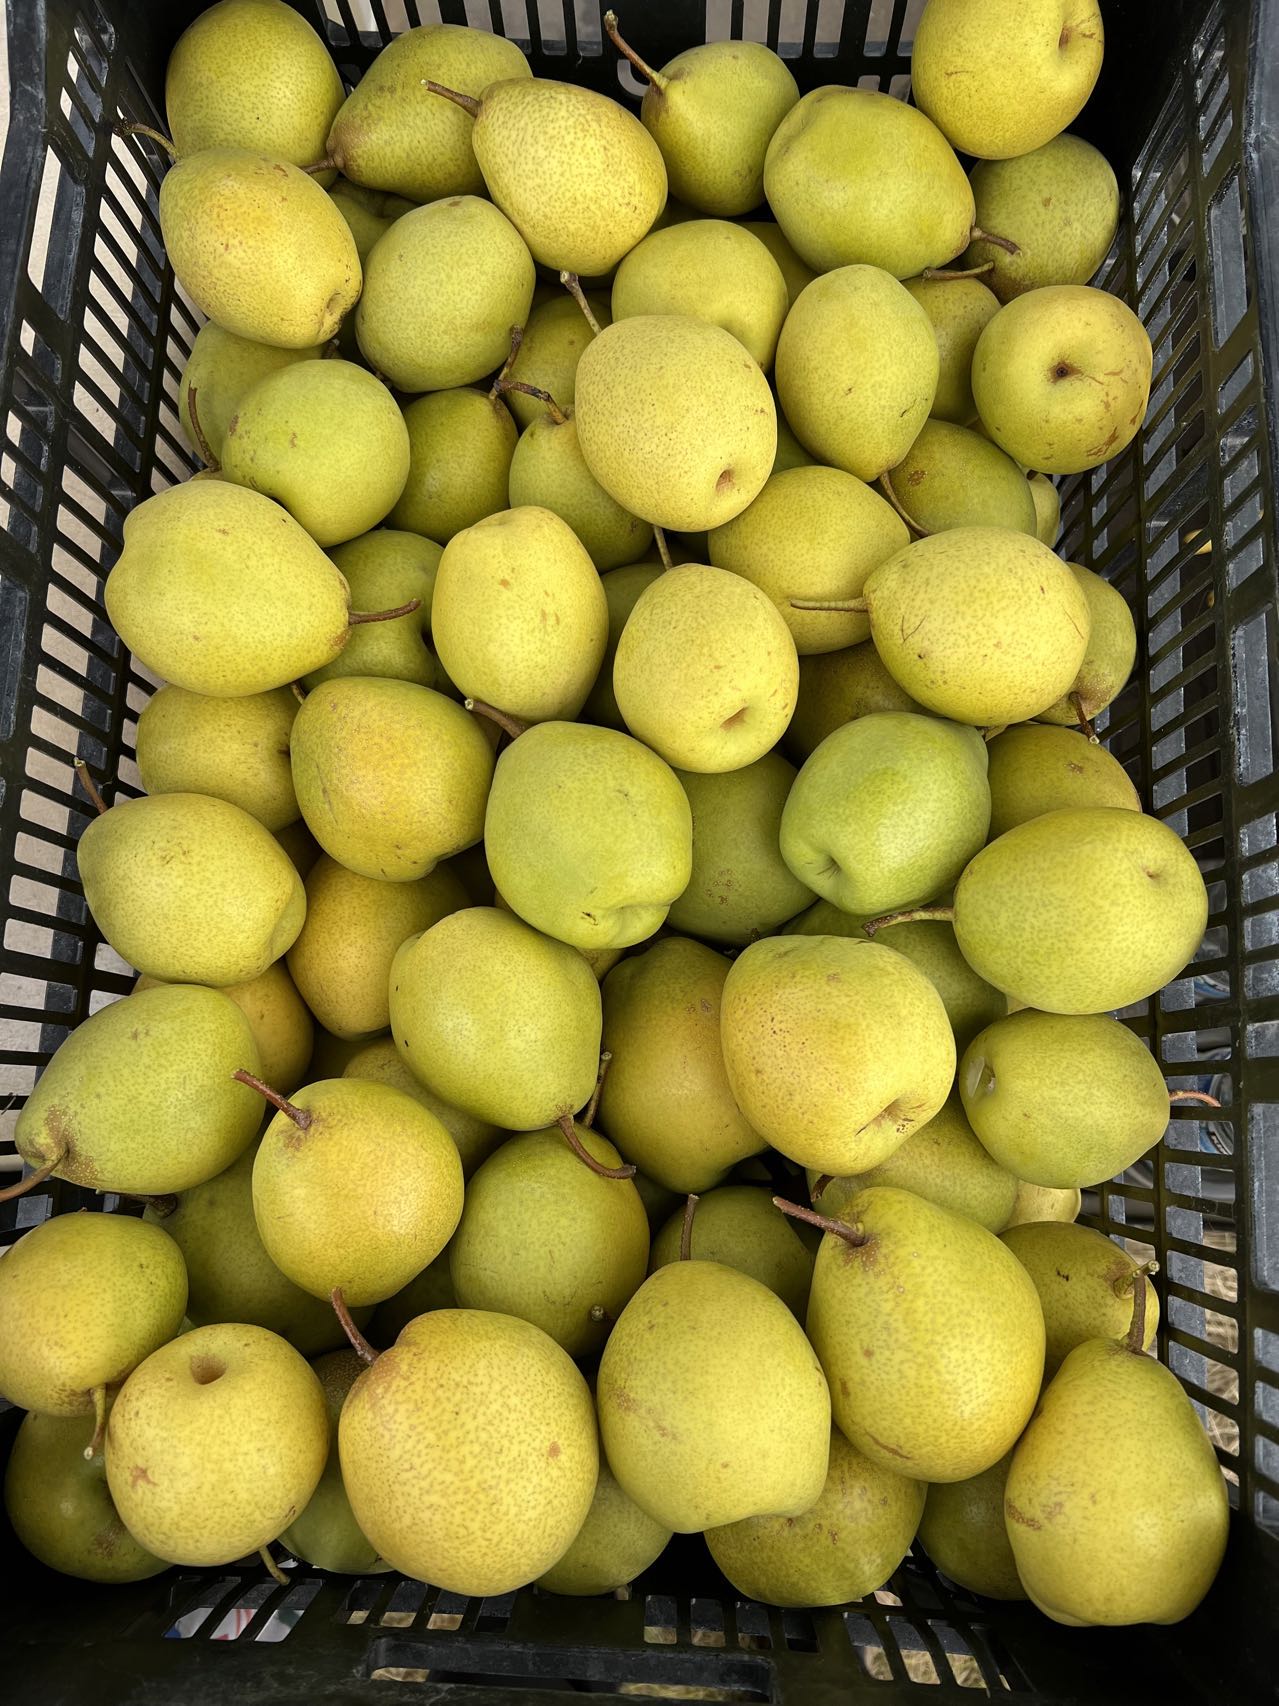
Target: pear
{"points": [[622, 588], [963, 1532], [740, 887], [814, 1031], [497, 1019], [1085, 1283], [391, 135], [460, 447], [1034, 770], [431, 1289], [326, 440], [251, 75], [220, 591], [442, 290], [278, 1018], [706, 670], [738, 1226], [391, 777], [930, 1333], [1108, 661], [387, 570], [794, 273], [1040, 1202], [545, 1237], [836, 687], [83, 1299], [589, 835], [889, 809], [326, 1534], [519, 617], [707, 269], [60, 1508], [1047, 509], [675, 420], [855, 177], [474, 1138], [712, 1405], [857, 368], [843, 1547], [233, 749], [231, 1277], [665, 1099], [959, 309], [1082, 911], [369, 214], [341, 961], [215, 1444], [190, 889], [258, 246], [1061, 378], [812, 534], [1058, 203], [951, 477], [554, 337], [616, 1543], [1002, 77], [220, 369], [790, 452], [548, 468], [944, 1163], [937, 606]]}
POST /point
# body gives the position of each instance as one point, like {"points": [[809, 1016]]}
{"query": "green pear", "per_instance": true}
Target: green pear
{"points": [[431, 1289], [83, 1299], [666, 1101], [855, 177], [460, 447], [795, 274], [221, 369], [622, 588], [706, 670], [341, 961], [712, 1405], [548, 469], [1061, 378], [1002, 78], [474, 1138], [930, 1333], [835, 688], [326, 1534], [951, 477], [589, 835], [616, 1543], [740, 886], [959, 309], [1111, 653], [707, 269], [1082, 911], [391, 135], [1058, 203], [258, 246], [369, 214], [190, 889], [1034, 770], [327, 441], [519, 616], [939, 606], [888, 810], [738, 1226], [215, 1444], [1034, 1203], [554, 337], [498, 1019], [675, 420], [1047, 509], [1085, 1283], [857, 368], [233, 749], [442, 290], [278, 1018], [60, 1508], [963, 1532], [391, 777], [546, 1238], [835, 1049], [840, 1549], [219, 590], [812, 534], [386, 570]]}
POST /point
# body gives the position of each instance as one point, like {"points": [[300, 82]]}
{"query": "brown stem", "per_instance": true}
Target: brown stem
{"points": [[146, 130], [1194, 1096], [592, 1107], [31, 1181], [838, 1228], [1136, 1339], [552, 407], [993, 732], [1077, 706], [481, 708], [654, 77], [197, 432], [468, 103], [517, 341], [299, 692], [957, 272], [1125, 1282], [912, 915], [99, 1396], [301, 1117], [566, 1125], [90, 786], [359, 1344], [836, 606], [330, 350], [161, 1206], [597, 1312], [686, 1229], [325, 165], [272, 1568], [357, 616], [819, 1185], [977, 235], [886, 486], [573, 284], [663, 549]]}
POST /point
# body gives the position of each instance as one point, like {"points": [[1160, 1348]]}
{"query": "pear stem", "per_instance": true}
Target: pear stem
{"points": [[820, 1184], [836, 606], [197, 432], [1125, 1282], [1194, 1096], [993, 732], [977, 235], [654, 77], [597, 1312], [517, 341], [298, 691], [573, 284], [1077, 706], [359, 1344], [1136, 1339], [301, 1117], [90, 787], [162, 1207], [837, 1228], [947, 273], [686, 1228], [99, 1396], [325, 165], [511, 725], [552, 407], [31, 1181], [272, 1568], [886, 486], [592, 1107], [565, 1123], [146, 130], [468, 103], [912, 915], [663, 549], [357, 616]]}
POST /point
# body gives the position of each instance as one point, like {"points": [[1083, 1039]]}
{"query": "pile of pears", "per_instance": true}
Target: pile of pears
{"points": [[629, 905]]}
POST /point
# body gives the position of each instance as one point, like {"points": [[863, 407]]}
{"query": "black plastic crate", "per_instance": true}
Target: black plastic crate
{"points": [[94, 335]]}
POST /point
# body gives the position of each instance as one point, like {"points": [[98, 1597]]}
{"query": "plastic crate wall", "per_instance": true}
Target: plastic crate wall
{"points": [[95, 336]]}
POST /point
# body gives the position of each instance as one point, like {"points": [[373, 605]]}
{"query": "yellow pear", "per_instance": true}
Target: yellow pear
{"points": [[234, 749]]}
